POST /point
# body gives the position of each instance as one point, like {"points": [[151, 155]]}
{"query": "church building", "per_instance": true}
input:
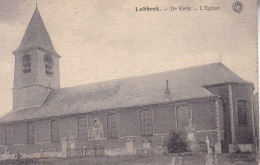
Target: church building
{"points": [[125, 115]]}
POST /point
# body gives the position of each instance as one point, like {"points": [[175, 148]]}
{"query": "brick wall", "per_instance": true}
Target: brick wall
{"points": [[129, 123], [221, 119], [20, 133], [221, 115], [68, 127], [33, 148], [164, 120], [43, 131], [223, 92], [204, 118], [204, 115], [2, 135], [244, 133]]}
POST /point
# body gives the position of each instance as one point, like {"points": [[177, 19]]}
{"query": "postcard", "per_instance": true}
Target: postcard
{"points": [[129, 82]]}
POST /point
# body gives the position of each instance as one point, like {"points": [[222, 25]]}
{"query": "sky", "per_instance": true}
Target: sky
{"points": [[102, 40]]}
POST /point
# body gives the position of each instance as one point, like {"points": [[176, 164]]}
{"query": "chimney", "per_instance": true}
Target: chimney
{"points": [[167, 92]]}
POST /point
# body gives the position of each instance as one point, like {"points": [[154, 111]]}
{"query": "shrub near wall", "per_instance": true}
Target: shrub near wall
{"points": [[176, 143]]}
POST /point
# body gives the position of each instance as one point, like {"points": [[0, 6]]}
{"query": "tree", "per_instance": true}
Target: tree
{"points": [[176, 143]]}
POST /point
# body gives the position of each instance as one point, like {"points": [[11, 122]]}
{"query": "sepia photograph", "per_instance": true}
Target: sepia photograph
{"points": [[128, 82]]}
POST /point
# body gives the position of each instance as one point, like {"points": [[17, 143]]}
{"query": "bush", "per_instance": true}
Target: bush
{"points": [[176, 143]]}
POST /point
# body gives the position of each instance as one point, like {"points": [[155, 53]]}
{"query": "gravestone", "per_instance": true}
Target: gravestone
{"points": [[177, 160], [191, 137], [41, 151], [85, 149], [72, 142], [209, 149], [6, 150], [72, 146], [211, 158], [64, 146], [147, 144], [129, 145]]}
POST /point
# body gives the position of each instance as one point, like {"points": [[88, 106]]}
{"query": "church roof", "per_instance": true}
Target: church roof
{"points": [[184, 84], [36, 36]]}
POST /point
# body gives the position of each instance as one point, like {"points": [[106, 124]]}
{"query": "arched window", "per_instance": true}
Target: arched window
{"points": [[96, 131], [82, 128], [184, 115], [55, 131], [26, 63], [112, 126], [30, 133], [8, 135], [242, 112], [146, 122], [49, 63]]}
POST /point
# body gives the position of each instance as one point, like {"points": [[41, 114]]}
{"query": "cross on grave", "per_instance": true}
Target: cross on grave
{"points": [[97, 145], [84, 149], [18, 156], [6, 150], [209, 148], [41, 151]]}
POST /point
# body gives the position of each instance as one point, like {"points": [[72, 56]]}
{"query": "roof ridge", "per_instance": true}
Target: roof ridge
{"points": [[144, 75], [186, 84]]}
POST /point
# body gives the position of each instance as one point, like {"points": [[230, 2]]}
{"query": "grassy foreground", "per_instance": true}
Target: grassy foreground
{"points": [[224, 159]]}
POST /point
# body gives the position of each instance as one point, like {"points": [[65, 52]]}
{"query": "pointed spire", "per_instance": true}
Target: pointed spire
{"points": [[36, 36]]}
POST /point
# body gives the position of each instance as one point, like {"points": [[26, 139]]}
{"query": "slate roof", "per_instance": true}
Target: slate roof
{"points": [[184, 84], [36, 36]]}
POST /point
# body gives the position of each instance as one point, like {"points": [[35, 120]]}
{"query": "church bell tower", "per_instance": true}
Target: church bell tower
{"points": [[36, 70]]}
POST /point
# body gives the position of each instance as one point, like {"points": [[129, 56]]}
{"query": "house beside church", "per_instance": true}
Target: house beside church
{"points": [[203, 101]]}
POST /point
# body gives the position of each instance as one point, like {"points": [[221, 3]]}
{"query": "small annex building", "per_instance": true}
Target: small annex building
{"points": [[208, 100]]}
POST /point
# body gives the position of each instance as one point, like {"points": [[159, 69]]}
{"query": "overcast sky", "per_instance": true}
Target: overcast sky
{"points": [[101, 40]]}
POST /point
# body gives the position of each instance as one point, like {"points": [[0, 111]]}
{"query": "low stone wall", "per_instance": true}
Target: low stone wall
{"points": [[35, 155], [240, 148]]}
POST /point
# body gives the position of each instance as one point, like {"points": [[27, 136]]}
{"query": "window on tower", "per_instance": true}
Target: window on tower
{"points": [[26, 63], [48, 60]]}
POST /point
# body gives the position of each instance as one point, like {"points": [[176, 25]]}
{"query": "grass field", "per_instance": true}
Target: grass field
{"points": [[224, 159]]}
